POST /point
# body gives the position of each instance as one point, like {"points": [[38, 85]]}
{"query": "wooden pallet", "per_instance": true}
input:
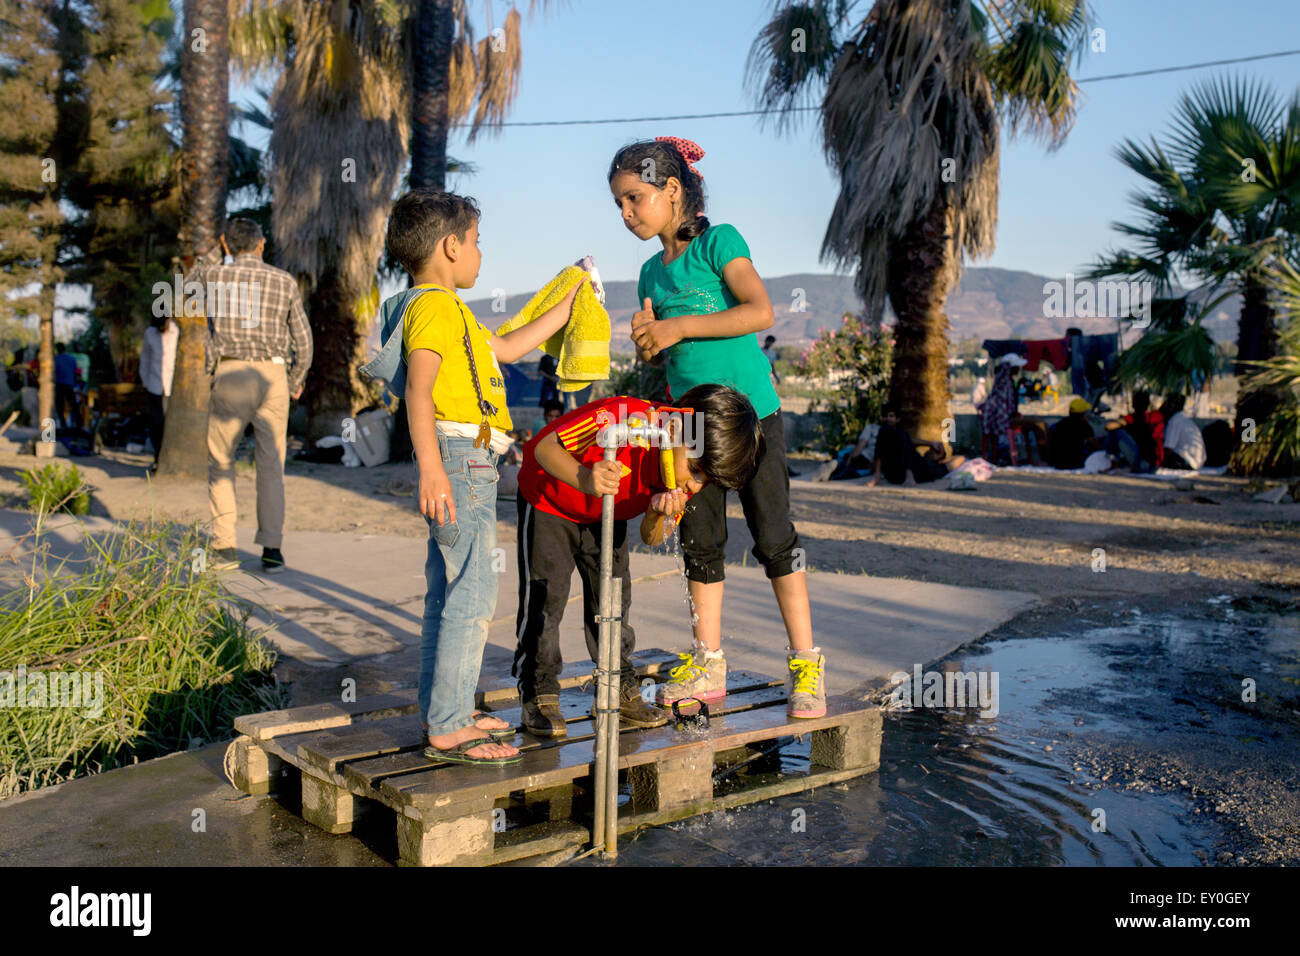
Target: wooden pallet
{"points": [[372, 750]]}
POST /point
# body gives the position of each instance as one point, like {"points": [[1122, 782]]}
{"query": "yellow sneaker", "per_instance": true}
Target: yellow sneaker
{"points": [[703, 679], [805, 684]]}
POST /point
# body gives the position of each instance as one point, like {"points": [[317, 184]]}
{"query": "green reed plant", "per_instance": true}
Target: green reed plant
{"points": [[177, 657]]}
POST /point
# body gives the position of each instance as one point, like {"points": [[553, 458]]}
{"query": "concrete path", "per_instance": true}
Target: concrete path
{"points": [[350, 605], [344, 598]]}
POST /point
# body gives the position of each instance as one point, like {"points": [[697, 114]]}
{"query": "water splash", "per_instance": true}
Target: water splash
{"points": [[673, 546]]}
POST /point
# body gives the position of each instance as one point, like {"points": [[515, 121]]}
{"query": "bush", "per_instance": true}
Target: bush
{"points": [[147, 621], [55, 488], [854, 360]]}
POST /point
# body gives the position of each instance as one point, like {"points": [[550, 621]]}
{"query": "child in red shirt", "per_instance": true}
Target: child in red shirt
{"points": [[561, 481]]}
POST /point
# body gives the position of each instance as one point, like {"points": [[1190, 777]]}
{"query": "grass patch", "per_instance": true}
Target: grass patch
{"points": [[144, 620]]}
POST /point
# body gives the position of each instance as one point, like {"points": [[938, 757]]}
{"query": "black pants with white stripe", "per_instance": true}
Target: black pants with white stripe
{"points": [[549, 548]]}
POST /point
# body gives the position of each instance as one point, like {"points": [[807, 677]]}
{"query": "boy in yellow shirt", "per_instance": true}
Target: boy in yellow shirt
{"points": [[456, 405]]}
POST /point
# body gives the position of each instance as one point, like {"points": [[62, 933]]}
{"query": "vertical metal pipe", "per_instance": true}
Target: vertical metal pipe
{"points": [[601, 824], [612, 666]]}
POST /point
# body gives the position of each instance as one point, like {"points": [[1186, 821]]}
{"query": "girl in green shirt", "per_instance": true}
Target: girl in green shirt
{"points": [[701, 304]]}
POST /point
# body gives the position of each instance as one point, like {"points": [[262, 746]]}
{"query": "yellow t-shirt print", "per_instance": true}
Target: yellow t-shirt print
{"points": [[434, 322]]}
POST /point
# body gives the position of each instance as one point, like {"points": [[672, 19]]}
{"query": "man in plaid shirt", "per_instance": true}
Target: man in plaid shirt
{"points": [[258, 352]]}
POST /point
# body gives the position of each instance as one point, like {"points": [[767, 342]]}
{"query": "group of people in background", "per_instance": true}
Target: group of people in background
{"points": [[71, 374], [1143, 440]]}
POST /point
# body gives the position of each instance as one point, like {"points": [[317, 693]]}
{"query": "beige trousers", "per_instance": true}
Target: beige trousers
{"points": [[244, 392]]}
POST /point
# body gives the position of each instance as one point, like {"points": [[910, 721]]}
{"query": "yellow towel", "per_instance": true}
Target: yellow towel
{"points": [[581, 346]]}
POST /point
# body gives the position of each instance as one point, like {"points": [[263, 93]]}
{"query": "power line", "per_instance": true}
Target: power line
{"points": [[1190, 66], [801, 109]]}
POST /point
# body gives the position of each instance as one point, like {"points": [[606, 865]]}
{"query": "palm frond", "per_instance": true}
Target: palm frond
{"points": [[1029, 64], [499, 59], [791, 59], [907, 102]]}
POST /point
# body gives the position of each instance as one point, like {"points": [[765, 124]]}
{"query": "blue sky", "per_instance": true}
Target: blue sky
{"points": [[545, 200], [543, 190]]}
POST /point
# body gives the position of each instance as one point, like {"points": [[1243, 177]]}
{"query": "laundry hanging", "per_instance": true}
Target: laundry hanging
{"points": [[1056, 351]]}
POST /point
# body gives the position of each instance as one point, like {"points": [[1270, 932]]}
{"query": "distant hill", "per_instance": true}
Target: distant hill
{"points": [[988, 303]]}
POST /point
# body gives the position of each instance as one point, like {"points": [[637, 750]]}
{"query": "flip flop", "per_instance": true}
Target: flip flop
{"points": [[458, 754], [501, 733]]}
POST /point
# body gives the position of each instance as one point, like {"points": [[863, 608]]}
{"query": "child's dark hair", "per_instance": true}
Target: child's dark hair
{"points": [[655, 162], [732, 436], [423, 218], [553, 406]]}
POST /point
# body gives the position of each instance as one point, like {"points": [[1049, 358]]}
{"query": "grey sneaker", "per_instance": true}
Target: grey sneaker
{"points": [[703, 680], [805, 684]]}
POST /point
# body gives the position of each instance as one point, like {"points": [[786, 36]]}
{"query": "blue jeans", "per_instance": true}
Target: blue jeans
{"points": [[1121, 444], [461, 594]]}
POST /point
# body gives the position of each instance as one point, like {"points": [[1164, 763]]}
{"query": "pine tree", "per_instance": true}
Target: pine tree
{"points": [[124, 168], [30, 218]]}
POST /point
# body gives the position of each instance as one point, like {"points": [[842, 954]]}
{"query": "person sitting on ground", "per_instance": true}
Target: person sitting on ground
{"points": [[897, 459], [1184, 447], [1034, 432], [1147, 428], [1218, 440], [851, 461], [1071, 439]]}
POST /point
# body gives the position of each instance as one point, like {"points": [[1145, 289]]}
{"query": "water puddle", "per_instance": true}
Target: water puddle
{"points": [[1125, 741]]}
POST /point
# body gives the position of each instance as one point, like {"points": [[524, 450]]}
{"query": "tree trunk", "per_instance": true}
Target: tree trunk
{"points": [[334, 389], [45, 387], [205, 119], [919, 276], [433, 35], [1256, 340]]}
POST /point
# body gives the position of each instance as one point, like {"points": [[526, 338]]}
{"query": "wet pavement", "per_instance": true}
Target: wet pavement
{"points": [[1122, 737]]}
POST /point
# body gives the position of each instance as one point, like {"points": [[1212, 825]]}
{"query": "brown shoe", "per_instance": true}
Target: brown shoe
{"points": [[542, 716], [633, 711]]}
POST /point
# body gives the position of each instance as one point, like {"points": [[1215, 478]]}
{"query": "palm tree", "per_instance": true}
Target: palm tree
{"points": [[340, 121], [911, 107], [1221, 204], [434, 27], [452, 77], [1174, 353], [1276, 445], [352, 76], [205, 125]]}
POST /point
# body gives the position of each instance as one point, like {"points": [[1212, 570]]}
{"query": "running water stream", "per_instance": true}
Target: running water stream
{"points": [[672, 545]]}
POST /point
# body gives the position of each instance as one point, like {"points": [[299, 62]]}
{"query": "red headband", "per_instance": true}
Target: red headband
{"points": [[690, 151]]}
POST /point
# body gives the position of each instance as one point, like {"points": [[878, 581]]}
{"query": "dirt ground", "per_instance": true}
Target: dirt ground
{"points": [[1046, 533]]}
